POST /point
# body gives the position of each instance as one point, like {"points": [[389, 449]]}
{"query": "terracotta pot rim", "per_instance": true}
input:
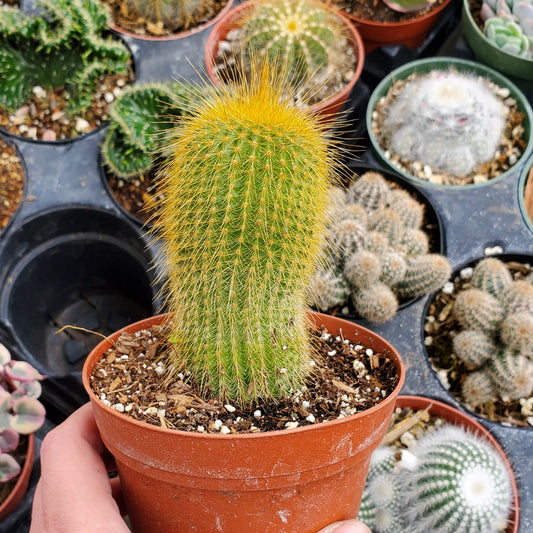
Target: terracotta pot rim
{"points": [[177, 35], [472, 424], [401, 24], [353, 35], [104, 345], [19, 490]]}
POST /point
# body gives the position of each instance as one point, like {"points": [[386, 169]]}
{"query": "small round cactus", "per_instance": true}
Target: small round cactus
{"points": [[461, 484], [518, 297], [413, 242], [376, 303], [424, 274], [474, 348], [393, 268], [448, 120], [410, 211], [478, 310], [371, 191], [347, 237], [491, 275], [477, 388], [517, 332], [389, 223], [362, 269], [511, 375], [328, 290]]}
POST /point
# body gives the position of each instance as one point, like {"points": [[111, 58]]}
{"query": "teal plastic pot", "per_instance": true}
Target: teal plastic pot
{"points": [[525, 193], [423, 66], [520, 70]]}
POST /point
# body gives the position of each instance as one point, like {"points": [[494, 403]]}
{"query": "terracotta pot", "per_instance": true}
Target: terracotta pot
{"points": [[295, 480], [458, 418], [19, 490], [328, 108], [410, 33], [178, 35]]}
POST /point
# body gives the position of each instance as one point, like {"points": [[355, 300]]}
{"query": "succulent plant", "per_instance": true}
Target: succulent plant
{"points": [[21, 413], [176, 13], [509, 25], [477, 388], [460, 484], [473, 347], [517, 297], [305, 34], [243, 213], [377, 244], [478, 310], [139, 119], [492, 276], [448, 120], [511, 375], [64, 47]]}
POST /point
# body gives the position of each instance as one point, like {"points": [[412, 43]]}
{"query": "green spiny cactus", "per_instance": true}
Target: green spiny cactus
{"points": [[245, 206], [347, 237], [410, 211], [517, 332], [424, 274], [384, 495], [413, 242], [511, 375], [377, 243], [362, 269], [478, 310], [517, 297], [376, 303], [138, 120], [174, 13], [477, 388], [328, 289], [305, 34], [491, 275], [393, 268], [473, 347], [389, 223], [354, 212], [63, 48], [461, 484], [370, 190]]}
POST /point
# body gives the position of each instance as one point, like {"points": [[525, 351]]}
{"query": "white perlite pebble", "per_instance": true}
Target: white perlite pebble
{"points": [[118, 407], [258, 414], [428, 340], [466, 273], [408, 461], [291, 425], [151, 411], [225, 430], [311, 418], [448, 287], [492, 250], [81, 125], [369, 352], [408, 439], [359, 368], [229, 408], [109, 97], [218, 424], [527, 406], [39, 92]]}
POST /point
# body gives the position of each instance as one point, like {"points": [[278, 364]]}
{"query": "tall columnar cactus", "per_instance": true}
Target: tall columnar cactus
{"points": [[176, 13], [245, 205], [376, 242], [460, 484], [303, 33], [509, 24], [139, 119], [65, 47], [448, 120]]}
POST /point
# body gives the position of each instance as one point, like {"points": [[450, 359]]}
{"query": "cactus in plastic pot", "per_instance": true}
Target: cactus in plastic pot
{"points": [[382, 256]]}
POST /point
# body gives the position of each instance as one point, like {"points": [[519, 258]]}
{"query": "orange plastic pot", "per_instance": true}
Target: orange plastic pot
{"points": [[295, 480], [410, 33], [458, 418], [19, 490], [328, 108]]}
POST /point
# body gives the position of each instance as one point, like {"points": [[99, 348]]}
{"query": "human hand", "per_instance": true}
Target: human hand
{"points": [[75, 493], [346, 526]]}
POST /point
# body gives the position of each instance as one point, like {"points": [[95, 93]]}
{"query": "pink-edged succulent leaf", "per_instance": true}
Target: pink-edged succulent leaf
{"points": [[9, 468], [31, 389], [407, 6], [28, 415], [21, 371], [5, 356], [6, 404], [9, 440]]}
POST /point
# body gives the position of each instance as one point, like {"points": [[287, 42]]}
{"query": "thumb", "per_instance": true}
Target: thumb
{"points": [[346, 526]]}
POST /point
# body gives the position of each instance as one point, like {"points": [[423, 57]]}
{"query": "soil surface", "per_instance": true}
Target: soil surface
{"points": [[377, 11], [512, 143], [45, 115], [20, 456], [440, 328], [127, 19], [345, 379], [11, 182]]}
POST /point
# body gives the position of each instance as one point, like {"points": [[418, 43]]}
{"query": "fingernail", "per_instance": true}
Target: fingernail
{"points": [[348, 526]]}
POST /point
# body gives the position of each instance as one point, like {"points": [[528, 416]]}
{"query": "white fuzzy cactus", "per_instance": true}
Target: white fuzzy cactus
{"points": [[448, 120]]}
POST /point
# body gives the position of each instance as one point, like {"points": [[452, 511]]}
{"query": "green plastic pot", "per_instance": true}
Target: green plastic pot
{"points": [[525, 193], [423, 66], [519, 69]]}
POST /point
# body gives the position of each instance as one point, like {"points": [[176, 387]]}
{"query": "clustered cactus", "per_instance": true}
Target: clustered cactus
{"points": [[377, 252], [140, 119], [303, 34], [448, 120], [21, 413], [509, 24], [170, 13], [453, 481], [64, 48], [495, 343], [244, 207]]}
